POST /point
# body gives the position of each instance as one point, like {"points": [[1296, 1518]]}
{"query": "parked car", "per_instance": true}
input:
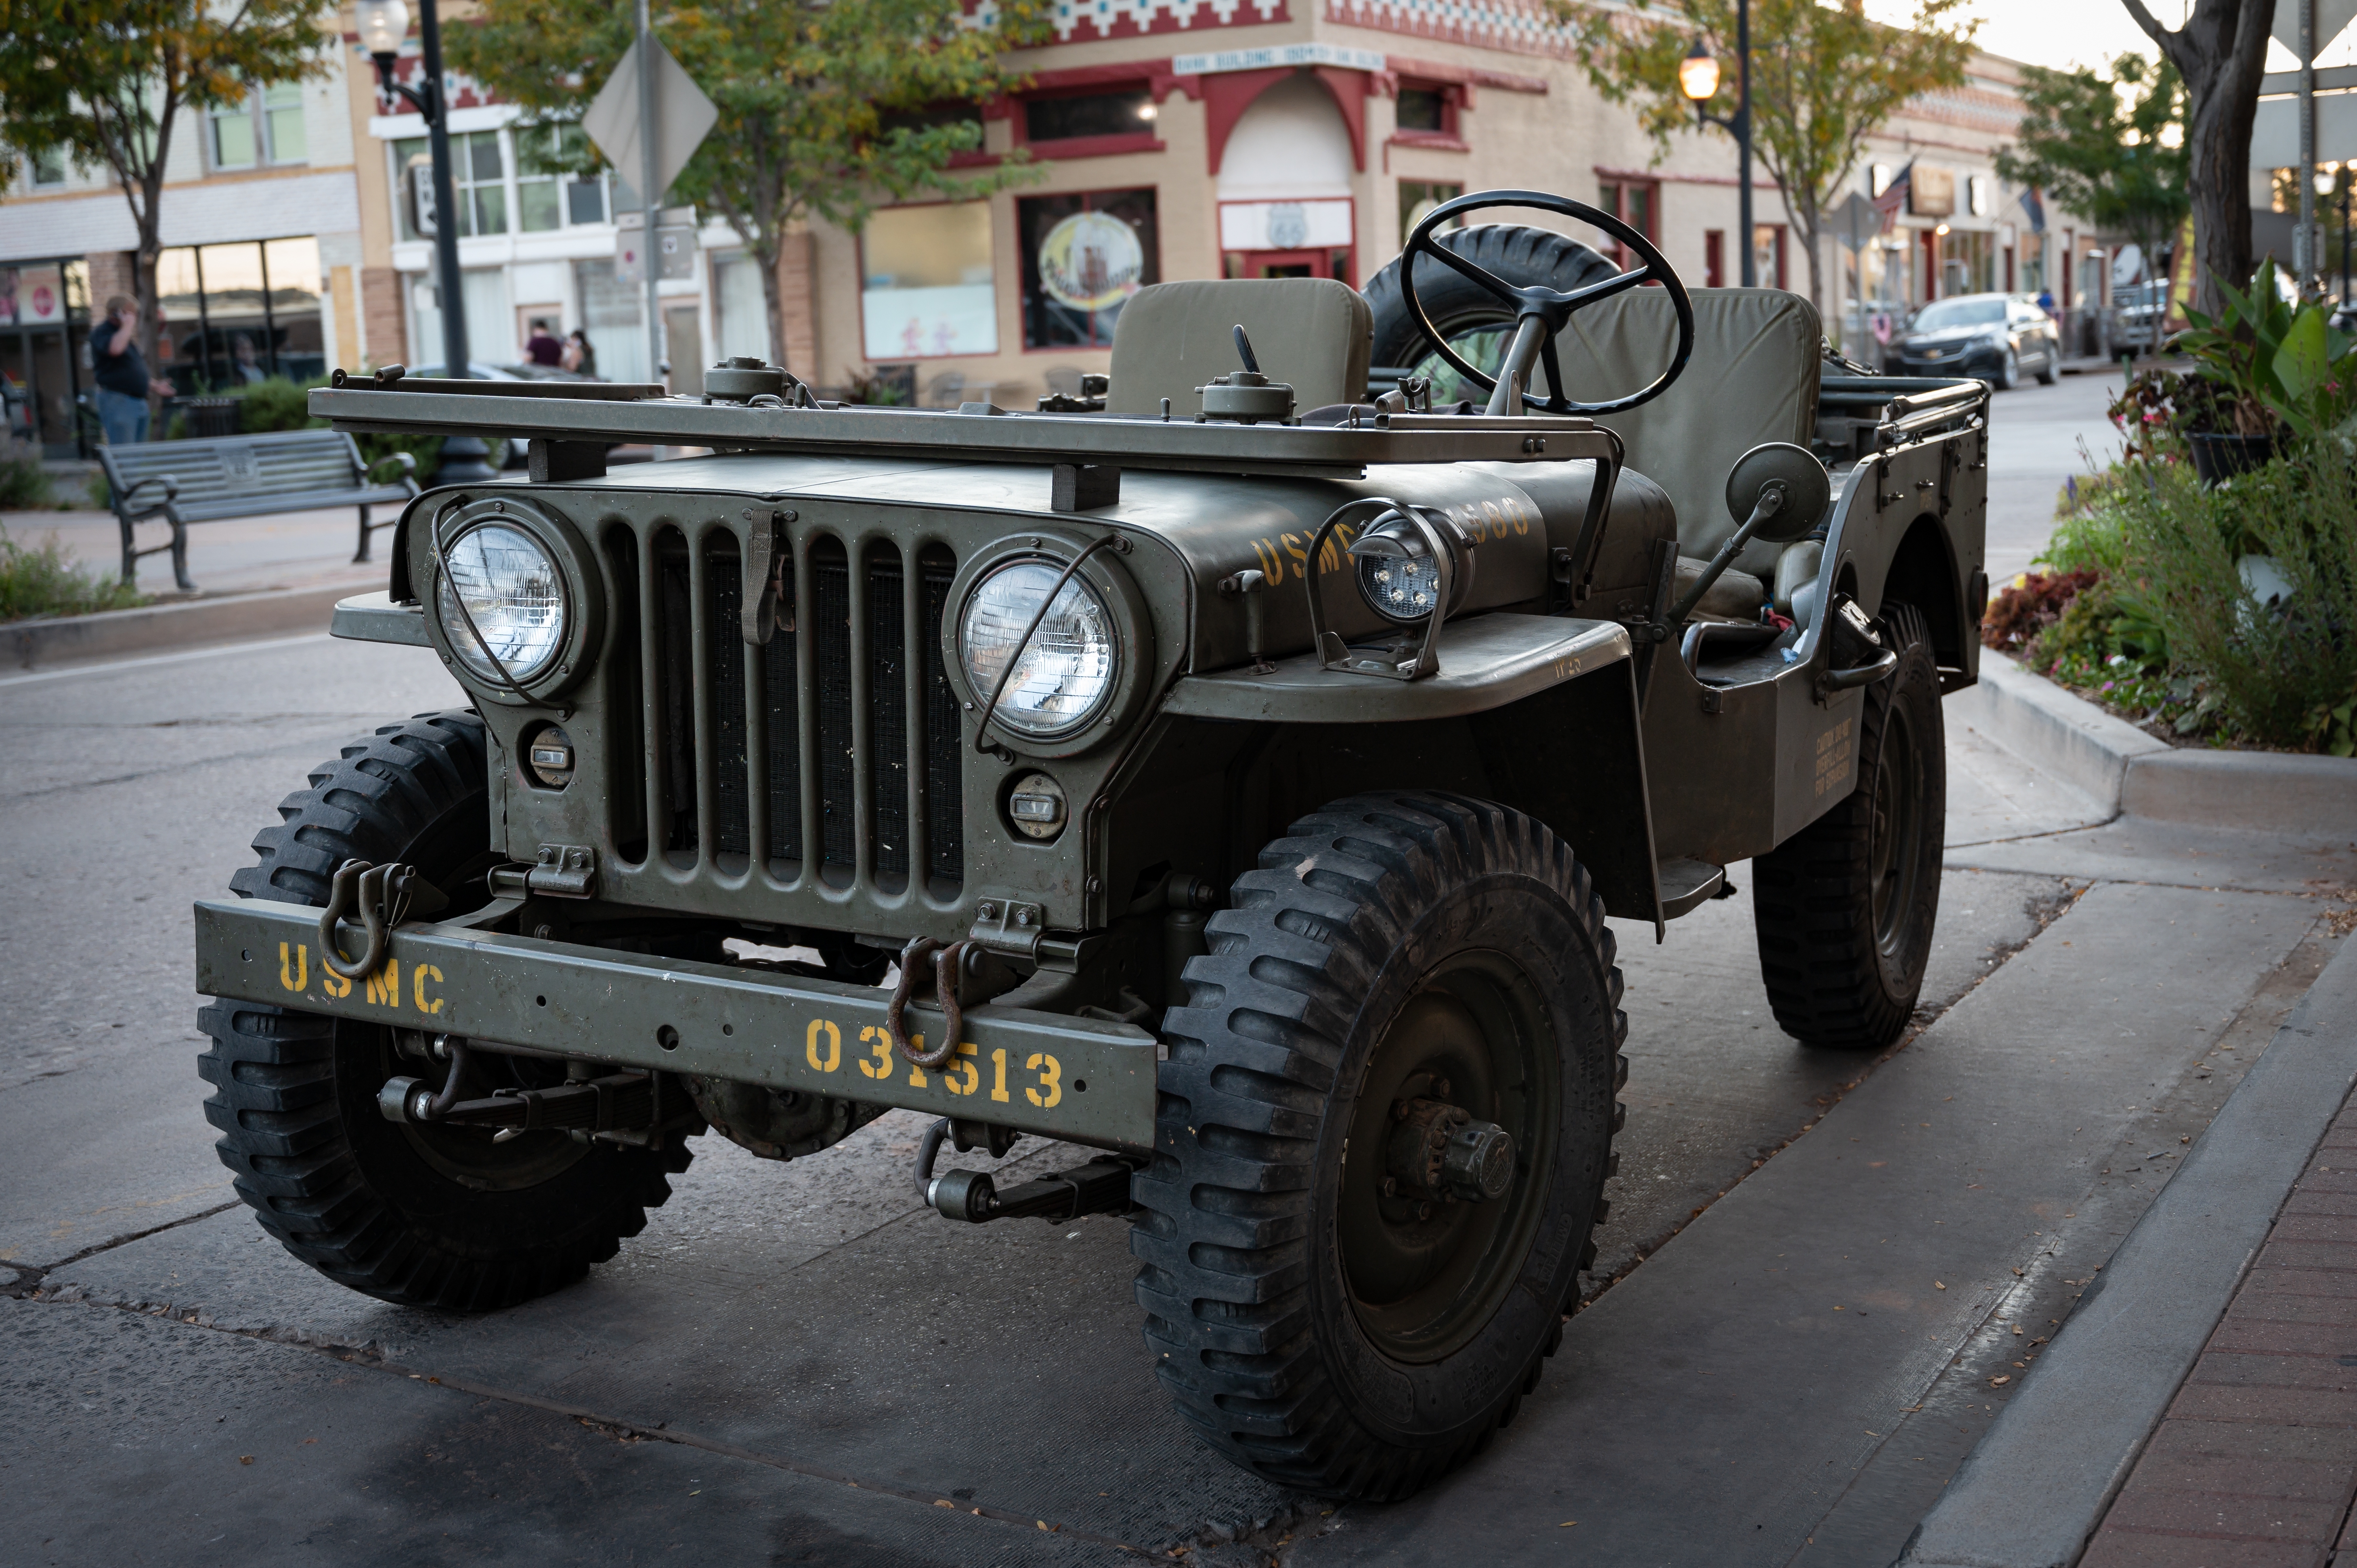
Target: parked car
{"points": [[1994, 336], [513, 456], [2140, 317]]}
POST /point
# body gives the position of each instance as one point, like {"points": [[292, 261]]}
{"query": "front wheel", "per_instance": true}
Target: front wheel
{"points": [[430, 1216], [1844, 908], [2008, 372], [1384, 1128]]}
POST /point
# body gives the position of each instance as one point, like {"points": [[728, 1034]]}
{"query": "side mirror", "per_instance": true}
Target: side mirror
{"points": [[1808, 490]]}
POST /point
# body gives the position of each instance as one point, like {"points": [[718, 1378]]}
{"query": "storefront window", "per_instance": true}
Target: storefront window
{"points": [[1083, 256], [613, 316], [926, 287], [44, 325], [1968, 262], [1768, 255], [241, 313]]}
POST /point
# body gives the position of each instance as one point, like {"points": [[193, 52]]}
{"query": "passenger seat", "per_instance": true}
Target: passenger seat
{"points": [[1753, 378]]}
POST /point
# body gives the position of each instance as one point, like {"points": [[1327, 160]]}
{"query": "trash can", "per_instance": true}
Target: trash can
{"points": [[213, 415]]}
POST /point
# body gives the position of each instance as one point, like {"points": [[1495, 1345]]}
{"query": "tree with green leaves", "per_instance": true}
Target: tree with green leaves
{"points": [[2099, 145], [828, 108], [1824, 79], [106, 83]]}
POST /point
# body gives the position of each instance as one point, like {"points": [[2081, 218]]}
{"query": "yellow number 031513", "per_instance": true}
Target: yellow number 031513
{"points": [[964, 1075]]}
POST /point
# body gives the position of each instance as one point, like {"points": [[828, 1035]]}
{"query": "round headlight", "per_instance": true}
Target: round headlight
{"points": [[514, 594], [1398, 575], [1065, 673]]}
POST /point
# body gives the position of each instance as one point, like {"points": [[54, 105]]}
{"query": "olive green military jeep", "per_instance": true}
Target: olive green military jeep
{"points": [[1231, 773]]}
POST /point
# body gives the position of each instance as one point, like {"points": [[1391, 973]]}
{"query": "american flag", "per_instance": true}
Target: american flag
{"points": [[2036, 208], [1894, 196]]}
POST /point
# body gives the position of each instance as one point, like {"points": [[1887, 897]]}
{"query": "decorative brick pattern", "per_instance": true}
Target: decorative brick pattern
{"points": [[2256, 1463], [1082, 21], [1521, 27]]}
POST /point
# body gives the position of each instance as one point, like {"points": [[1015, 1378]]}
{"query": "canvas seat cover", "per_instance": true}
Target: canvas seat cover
{"points": [[1753, 378], [1314, 333]]}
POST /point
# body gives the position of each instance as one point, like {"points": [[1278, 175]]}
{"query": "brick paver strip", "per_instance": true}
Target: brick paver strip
{"points": [[2256, 1463]]}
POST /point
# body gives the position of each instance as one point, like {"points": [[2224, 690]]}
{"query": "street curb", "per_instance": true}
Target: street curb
{"points": [[2072, 739], [2033, 1491], [2126, 771], [73, 639]]}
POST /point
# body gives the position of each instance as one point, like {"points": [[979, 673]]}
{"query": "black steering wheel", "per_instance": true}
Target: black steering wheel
{"points": [[1548, 308]]}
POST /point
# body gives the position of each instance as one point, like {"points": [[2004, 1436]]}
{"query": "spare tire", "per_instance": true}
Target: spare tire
{"points": [[1462, 309]]}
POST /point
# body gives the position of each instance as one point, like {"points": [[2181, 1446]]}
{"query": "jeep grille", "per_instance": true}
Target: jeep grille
{"points": [[792, 756]]}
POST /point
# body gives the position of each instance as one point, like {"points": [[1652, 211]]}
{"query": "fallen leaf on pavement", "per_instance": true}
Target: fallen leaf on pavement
{"points": [[1995, 1382]]}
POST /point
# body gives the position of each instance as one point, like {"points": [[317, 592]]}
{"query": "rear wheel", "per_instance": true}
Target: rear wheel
{"points": [[1383, 1138], [437, 1217], [1844, 908]]}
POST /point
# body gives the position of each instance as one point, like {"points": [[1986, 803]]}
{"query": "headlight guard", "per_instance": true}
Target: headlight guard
{"points": [[515, 570]]}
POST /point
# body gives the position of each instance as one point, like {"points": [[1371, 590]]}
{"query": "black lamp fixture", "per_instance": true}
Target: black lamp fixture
{"points": [[1698, 76], [382, 25]]}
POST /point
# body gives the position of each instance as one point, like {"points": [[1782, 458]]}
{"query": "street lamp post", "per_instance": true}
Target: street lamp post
{"points": [[382, 25], [1698, 80]]}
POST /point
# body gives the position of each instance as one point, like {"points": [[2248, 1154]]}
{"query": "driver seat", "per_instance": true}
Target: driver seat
{"points": [[1171, 337], [1753, 378]]}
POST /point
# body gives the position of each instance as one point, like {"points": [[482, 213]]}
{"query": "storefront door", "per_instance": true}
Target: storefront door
{"points": [[1312, 263]]}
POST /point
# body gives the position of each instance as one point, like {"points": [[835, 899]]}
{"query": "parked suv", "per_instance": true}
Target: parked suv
{"points": [[1994, 336]]}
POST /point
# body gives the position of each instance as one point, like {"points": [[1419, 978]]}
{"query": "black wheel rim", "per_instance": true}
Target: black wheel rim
{"points": [[1423, 1276], [1895, 836]]}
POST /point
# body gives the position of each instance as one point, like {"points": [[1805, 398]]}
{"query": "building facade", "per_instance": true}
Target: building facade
{"points": [[260, 274], [1168, 138]]}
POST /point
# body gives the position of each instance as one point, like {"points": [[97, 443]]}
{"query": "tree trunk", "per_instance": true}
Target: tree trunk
{"points": [[1804, 225], [2221, 52]]}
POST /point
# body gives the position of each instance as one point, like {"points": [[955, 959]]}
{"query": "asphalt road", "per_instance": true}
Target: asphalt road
{"points": [[2041, 438], [809, 1315]]}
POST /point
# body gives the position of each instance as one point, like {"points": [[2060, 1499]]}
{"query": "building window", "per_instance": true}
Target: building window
{"points": [[49, 169], [926, 287], [1425, 108], [1636, 203], [478, 180], [1123, 111], [1418, 197], [547, 196], [1713, 258], [1768, 255], [1083, 256], [266, 128]]}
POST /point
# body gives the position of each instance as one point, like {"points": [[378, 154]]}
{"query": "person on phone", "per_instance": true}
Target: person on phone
{"points": [[123, 384]]}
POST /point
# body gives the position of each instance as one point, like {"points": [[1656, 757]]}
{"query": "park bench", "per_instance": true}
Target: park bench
{"points": [[241, 476]]}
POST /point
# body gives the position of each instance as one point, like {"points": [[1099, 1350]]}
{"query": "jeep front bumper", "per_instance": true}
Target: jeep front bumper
{"points": [[1074, 1079]]}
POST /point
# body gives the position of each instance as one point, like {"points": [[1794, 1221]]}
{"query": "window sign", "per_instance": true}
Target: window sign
{"points": [[1083, 257], [926, 287]]}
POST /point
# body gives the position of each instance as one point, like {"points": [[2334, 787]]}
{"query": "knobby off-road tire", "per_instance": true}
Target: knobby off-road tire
{"points": [[1844, 908], [1315, 1330], [423, 1216]]}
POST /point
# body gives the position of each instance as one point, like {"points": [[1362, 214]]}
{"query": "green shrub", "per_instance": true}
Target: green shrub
{"points": [[2270, 666], [43, 580], [2092, 541], [276, 404], [24, 483]]}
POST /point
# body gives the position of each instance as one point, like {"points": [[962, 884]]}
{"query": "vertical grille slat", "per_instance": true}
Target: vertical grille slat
{"points": [[888, 715], [838, 801], [945, 733], [671, 773], [782, 704], [723, 642]]}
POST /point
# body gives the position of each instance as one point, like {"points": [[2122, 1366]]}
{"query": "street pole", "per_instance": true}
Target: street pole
{"points": [[465, 458], [2347, 176], [2304, 260], [649, 194], [1750, 270]]}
